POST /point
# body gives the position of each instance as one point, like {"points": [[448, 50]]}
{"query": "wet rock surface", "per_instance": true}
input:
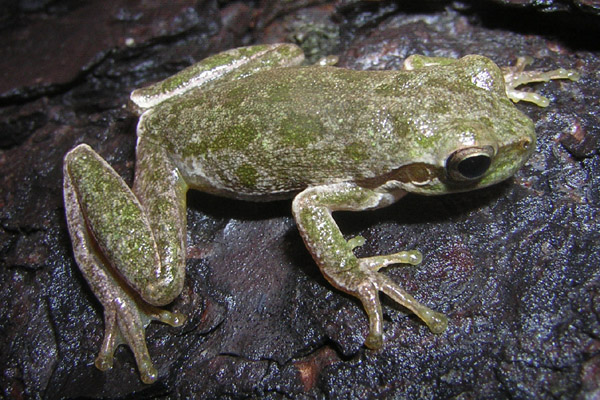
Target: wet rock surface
{"points": [[592, 6], [516, 267]]}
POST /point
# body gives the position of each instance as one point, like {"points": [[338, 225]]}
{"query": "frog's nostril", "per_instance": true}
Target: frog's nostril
{"points": [[469, 164], [526, 143]]}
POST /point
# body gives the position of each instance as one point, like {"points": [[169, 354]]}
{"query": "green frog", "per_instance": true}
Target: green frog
{"points": [[252, 123]]}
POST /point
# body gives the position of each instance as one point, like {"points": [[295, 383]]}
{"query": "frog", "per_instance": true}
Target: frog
{"points": [[255, 123]]}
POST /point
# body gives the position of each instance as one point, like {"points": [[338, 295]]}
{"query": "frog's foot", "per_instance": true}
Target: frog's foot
{"points": [[516, 76], [373, 282], [125, 321]]}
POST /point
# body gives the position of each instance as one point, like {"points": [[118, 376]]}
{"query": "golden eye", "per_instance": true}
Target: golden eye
{"points": [[469, 164]]}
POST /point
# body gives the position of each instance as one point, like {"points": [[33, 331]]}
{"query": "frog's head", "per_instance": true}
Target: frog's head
{"points": [[468, 136], [472, 153], [479, 154]]}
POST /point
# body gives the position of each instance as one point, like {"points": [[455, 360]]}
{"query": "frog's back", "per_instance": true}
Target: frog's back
{"points": [[273, 134]]}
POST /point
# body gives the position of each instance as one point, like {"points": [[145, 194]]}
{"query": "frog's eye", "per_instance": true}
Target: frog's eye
{"points": [[469, 164]]}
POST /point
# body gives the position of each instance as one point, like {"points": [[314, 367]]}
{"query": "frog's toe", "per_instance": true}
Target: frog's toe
{"points": [[374, 264], [118, 331], [436, 321], [125, 322], [356, 241], [148, 373], [171, 318], [104, 361], [368, 293], [374, 341]]}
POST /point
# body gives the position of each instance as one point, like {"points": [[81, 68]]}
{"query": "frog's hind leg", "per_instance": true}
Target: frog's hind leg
{"points": [[109, 230]]}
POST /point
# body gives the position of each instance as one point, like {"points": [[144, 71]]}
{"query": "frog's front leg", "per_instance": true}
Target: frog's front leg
{"points": [[127, 253], [516, 76], [357, 276]]}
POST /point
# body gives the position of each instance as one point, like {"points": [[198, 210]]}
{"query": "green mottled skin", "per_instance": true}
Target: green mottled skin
{"points": [[232, 64], [285, 121], [251, 123], [111, 224]]}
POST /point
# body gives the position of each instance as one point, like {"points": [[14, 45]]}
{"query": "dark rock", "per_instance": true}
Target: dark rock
{"points": [[516, 267]]}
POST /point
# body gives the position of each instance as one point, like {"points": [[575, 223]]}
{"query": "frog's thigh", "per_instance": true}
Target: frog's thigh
{"points": [[360, 277], [112, 214], [161, 191]]}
